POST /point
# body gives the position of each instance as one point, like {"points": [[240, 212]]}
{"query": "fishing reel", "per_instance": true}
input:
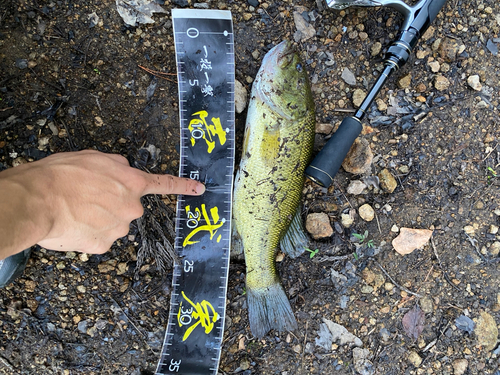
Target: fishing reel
{"points": [[417, 19]]}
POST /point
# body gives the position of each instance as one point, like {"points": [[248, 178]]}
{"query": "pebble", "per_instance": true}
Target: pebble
{"points": [[347, 220], [441, 83], [448, 49], [427, 305], [493, 229], [410, 239], [376, 48], [474, 82], [486, 331], [460, 366], [21, 63], [323, 128], [414, 359], [348, 77], [304, 29], [356, 187], [361, 362], [318, 225], [366, 212], [98, 121], [435, 66], [240, 96], [359, 157], [387, 181], [381, 105], [19, 161], [357, 97], [404, 82], [495, 248], [394, 228]]}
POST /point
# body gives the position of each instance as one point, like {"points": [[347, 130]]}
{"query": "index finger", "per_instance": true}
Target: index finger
{"points": [[168, 184]]}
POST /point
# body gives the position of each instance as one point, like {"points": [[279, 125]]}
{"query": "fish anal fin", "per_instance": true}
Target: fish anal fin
{"points": [[295, 240]]}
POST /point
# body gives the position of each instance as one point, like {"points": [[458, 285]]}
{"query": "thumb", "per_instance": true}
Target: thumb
{"points": [[168, 184]]}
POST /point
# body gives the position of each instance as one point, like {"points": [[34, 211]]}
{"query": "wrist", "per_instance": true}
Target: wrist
{"points": [[23, 212]]}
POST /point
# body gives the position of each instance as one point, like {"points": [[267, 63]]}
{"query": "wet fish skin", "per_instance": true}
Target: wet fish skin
{"points": [[277, 147]]}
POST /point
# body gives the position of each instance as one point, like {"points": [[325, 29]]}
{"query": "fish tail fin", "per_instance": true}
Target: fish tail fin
{"points": [[269, 308]]}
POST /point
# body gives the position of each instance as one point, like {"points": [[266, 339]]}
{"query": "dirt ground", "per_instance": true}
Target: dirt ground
{"points": [[71, 81]]}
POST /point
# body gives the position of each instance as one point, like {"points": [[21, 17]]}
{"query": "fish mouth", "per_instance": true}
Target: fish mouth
{"points": [[280, 57]]}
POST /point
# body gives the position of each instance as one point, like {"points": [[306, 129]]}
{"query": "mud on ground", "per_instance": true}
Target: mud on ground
{"points": [[71, 82]]}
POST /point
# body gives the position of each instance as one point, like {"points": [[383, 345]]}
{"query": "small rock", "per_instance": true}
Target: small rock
{"points": [[19, 161], [81, 289], [333, 332], [385, 335], [357, 97], [404, 82], [84, 257], [448, 49], [348, 77], [381, 105], [427, 305], [347, 220], [21, 63], [474, 82], [410, 239], [376, 48], [366, 212], [469, 229], [356, 187], [318, 225], [441, 83], [394, 229], [492, 47], [322, 128], [486, 331], [82, 326], [387, 181], [359, 157], [361, 362], [495, 248], [435, 66], [240, 96], [460, 366], [98, 121], [297, 348], [304, 29], [414, 359], [429, 33]]}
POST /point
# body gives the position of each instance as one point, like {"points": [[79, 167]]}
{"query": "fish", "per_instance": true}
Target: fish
{"points": [[277, 146]]}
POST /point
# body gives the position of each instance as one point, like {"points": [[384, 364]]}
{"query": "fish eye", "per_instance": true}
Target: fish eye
{"points": [[299, 67]]}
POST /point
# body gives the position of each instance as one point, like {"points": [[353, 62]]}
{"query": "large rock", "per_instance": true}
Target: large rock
{"points": [[410, 239], [359, 157], [318, 225]]}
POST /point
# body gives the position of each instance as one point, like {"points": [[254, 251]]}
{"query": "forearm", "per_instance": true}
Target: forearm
{"points": [[19, 224]]}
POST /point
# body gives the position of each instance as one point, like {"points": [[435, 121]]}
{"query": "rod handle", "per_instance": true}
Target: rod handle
{"points": [[328, 161]]}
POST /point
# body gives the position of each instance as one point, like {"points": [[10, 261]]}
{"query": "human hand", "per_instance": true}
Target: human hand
{"points": [[82, 201]]}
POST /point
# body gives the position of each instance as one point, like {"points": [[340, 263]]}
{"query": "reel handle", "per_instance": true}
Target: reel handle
{"points": [[328, 161]]}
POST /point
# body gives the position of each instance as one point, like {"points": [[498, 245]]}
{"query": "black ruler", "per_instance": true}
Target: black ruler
{"points": [[204, 48]]}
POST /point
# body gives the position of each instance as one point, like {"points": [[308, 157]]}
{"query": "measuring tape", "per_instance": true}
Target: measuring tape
{"points": [[204, 48]]}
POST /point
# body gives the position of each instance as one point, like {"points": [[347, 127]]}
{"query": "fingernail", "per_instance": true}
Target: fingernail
{"points": [[200, 188]]}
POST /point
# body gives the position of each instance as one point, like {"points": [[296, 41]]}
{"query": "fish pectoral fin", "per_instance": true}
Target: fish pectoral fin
{"points": [[269, 308], [295, 240], [236, 242]]}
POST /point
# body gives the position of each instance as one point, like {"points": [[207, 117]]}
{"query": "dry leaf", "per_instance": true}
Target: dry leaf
{"points": [[413, 322]]}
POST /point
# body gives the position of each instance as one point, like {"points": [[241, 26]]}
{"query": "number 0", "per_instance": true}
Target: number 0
{"points": [[192, 32]]}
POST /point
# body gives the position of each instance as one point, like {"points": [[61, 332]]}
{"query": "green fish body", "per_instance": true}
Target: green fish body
{"points": [[278, 143]]}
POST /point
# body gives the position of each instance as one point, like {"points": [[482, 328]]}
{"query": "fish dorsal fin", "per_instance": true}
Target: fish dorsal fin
{"points": [[295, 240]]}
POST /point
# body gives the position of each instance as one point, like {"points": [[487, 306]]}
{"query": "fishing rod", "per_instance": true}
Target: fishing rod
{"points": [[418, 17]]}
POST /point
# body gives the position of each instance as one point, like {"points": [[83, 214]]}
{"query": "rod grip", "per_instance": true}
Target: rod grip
{"points": [[328, 161]]}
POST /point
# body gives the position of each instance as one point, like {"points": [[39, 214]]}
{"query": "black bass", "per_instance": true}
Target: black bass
{"points": [[278, 143]]}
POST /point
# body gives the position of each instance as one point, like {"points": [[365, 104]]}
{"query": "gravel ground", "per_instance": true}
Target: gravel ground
{"points": [[71, 79]]}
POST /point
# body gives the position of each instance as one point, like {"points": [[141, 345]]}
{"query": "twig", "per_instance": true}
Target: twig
{"points": [[378, 223], [446, 277], [6, 363], [394, 282], [136, 328], [158, 74], [333, 259], [5, 109], [487, 156]]}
